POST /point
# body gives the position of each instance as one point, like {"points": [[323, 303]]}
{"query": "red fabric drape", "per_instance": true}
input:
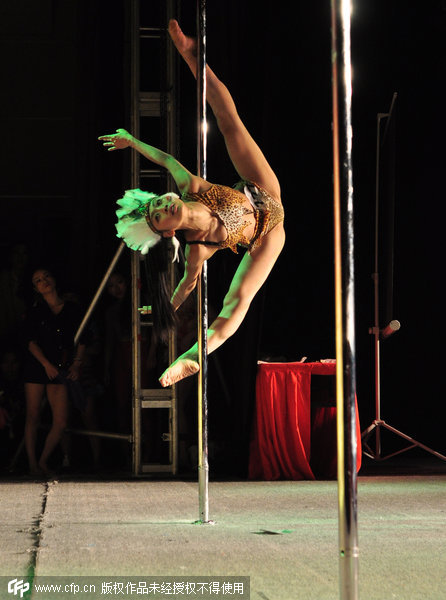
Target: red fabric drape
{"points": [[290, 442]]}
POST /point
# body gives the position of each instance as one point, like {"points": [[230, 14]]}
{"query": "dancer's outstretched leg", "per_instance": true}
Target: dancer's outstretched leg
{"points": [[246, 156], [252, 272]]}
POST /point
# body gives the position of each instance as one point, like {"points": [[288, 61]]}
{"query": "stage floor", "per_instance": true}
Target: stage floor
{"points": [[283, 535]]}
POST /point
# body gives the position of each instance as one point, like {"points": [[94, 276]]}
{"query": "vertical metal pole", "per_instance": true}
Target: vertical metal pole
{"points": [[171, 132], [203, 464], [376, 282], [344, 298], [135, 259]]}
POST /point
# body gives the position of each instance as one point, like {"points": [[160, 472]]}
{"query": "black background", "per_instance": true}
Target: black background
{"points": [[65, 81]]}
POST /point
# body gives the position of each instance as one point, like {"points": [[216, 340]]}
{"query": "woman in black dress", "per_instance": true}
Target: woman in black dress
{"points": [[52, 359]]}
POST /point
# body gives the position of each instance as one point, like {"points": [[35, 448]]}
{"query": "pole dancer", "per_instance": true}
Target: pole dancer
{"points": [[212, 216]]}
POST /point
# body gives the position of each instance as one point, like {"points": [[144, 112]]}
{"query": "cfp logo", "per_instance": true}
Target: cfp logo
{"points": [[17, 587]]}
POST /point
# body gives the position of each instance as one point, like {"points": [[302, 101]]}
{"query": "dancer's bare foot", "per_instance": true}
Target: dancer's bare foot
{"points": [[185, 45], [180, 369]]}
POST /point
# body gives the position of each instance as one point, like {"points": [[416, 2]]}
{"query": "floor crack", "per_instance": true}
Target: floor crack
{"points": [[36, 530]]}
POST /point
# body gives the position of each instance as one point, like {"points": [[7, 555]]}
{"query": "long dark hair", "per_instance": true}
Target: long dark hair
{"points": [[157, 263]]}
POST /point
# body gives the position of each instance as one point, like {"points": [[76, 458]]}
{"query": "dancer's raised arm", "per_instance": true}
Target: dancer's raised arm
{"points": [[194, 259], [185, 180]]}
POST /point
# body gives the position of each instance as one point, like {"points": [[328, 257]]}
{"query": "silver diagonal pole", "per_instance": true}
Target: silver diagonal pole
{"points": [[99, 292], [203, 464], [344, 298]]}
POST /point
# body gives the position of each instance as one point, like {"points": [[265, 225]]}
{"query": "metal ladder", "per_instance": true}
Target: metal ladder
{"points": [[152, 114]]}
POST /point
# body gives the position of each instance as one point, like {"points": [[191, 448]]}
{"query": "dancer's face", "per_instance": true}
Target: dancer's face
{"points": [[165, 213], [43, 281]]}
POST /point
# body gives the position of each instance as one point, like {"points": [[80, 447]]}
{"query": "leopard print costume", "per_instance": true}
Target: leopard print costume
{"points": [[228, 205]]}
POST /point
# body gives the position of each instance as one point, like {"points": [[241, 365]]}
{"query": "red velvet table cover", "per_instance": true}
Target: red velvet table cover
{"points": [[289, 440]]}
